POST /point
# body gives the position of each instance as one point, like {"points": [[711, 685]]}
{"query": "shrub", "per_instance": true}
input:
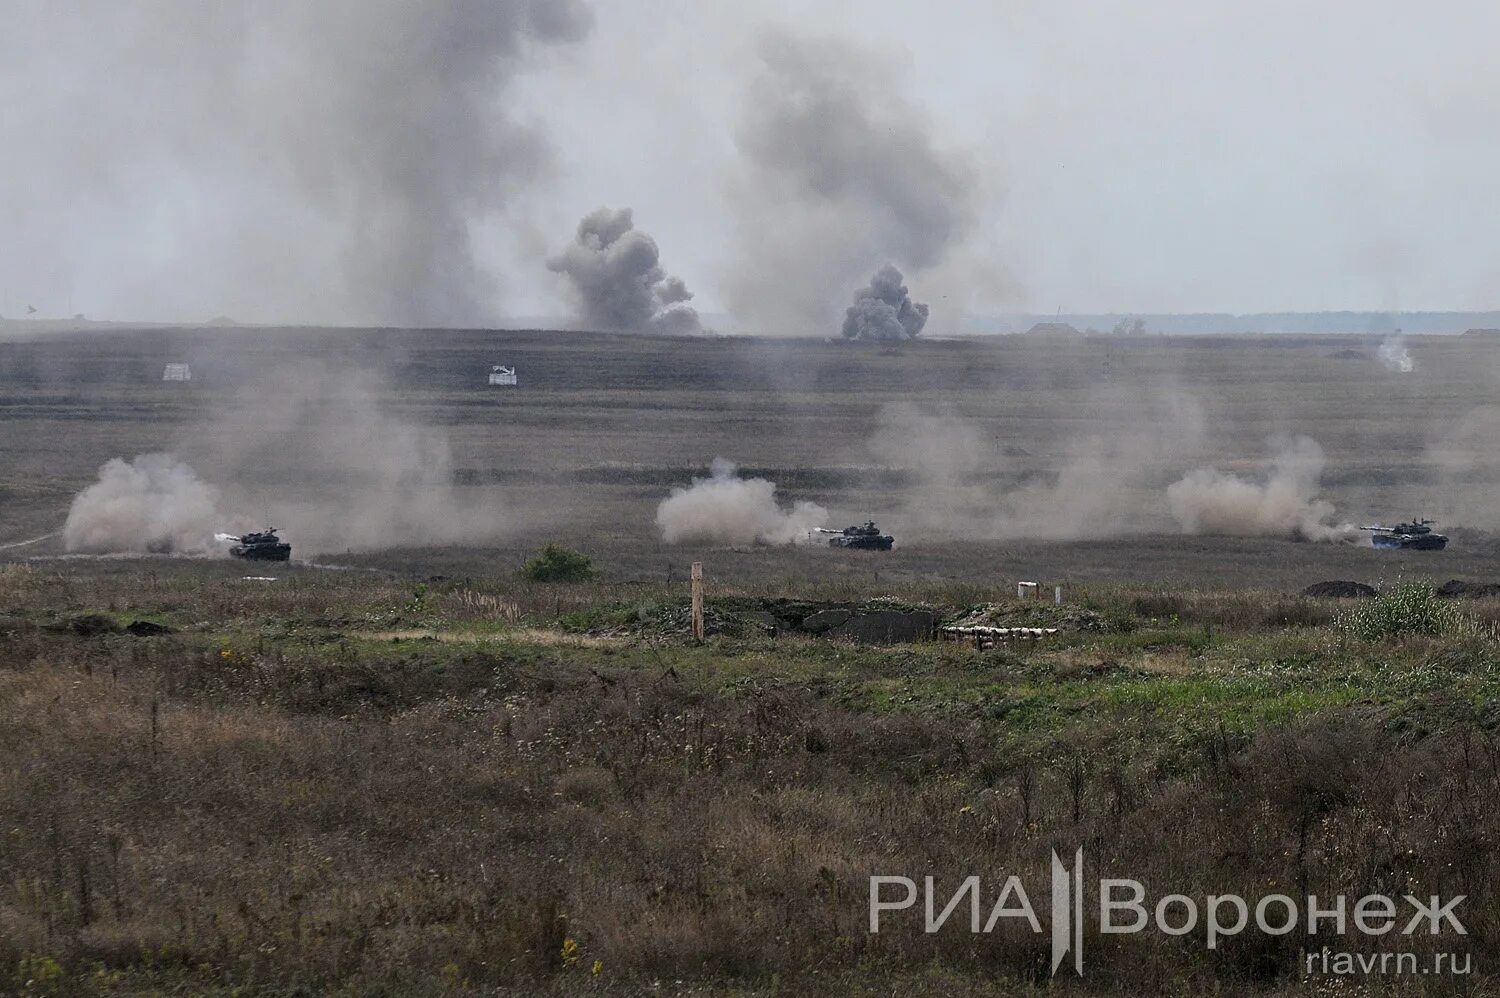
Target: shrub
{"points": [[555, 563], [1409, 608]]}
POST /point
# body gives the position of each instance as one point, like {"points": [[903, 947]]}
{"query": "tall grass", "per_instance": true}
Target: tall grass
{"points": [[1408, 608]]}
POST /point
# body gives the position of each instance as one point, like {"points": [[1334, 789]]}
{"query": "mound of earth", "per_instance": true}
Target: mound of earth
{"points": [[148, 628], [89, 625], [1339, 589], [876, 621], [1032, 613], [1459, 589]]}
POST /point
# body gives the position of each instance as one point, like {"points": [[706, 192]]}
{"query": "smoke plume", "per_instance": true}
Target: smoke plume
{"points": [[1073, 483], [1465, 456], [1208, 501], [323, 161], [316, 451], [153, 503], [729, 510], [327, 454], [1395, 356], [841, 174], [884, 311], [617, 278]]}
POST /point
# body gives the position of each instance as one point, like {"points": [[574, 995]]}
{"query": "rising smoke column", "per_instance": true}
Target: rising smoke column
{"points": [[727, 509], [1208, 501], [841, 173], [153, 503], [617, 279], [320, 160], [884, 311], [1394, 355]]}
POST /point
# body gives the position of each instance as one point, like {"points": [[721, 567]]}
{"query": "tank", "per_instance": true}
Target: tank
{"points": [[865, 538], [262, 546], [1414, 535]]}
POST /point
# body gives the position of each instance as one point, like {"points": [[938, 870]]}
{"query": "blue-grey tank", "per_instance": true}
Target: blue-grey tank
{"points": [[1413, 535]]}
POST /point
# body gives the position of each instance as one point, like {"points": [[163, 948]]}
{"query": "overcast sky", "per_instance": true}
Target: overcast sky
{"points": [[1163, 157]]}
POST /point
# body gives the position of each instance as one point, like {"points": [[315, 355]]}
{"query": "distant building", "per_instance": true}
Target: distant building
{"points": [[502, 375], [177, 372], [1053, 329]]}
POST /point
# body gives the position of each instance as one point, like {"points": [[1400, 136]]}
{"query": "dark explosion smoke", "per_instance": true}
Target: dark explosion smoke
{"points": [[884, 311], [617, 278], [841, 172], [341, 149]]}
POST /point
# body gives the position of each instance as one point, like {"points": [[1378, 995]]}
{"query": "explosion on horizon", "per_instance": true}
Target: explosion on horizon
{"points": [[617, 279], [884, 311], [1395, 356], [840, 171]]}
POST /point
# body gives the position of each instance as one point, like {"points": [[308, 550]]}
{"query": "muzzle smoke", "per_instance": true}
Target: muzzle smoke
{"points": [[728, 510], [1208, 501]]}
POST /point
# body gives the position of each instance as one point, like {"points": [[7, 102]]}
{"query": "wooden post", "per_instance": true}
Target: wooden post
{"points": [[697, 601]]}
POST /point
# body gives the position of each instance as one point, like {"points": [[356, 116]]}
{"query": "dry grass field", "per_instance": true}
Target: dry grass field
{"points": [[410, 770]]}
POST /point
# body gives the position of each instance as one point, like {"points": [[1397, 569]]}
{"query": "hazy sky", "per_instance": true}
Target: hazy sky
{"points": [[1173, 156]]}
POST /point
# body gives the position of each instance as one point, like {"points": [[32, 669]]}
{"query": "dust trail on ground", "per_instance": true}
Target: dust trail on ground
{"points": [[1284, 504], [153, 503], [1098, 482], [727, 509], [28, 543]]}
